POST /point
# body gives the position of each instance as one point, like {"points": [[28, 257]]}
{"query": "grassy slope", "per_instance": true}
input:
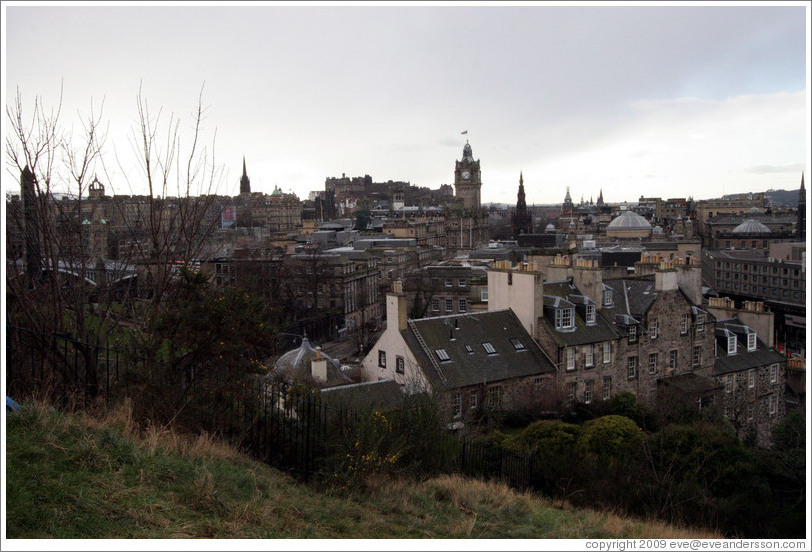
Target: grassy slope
{"points": [[73, 476]]}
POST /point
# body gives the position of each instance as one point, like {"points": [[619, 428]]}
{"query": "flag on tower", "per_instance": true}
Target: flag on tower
{"points": [[464, 132]]}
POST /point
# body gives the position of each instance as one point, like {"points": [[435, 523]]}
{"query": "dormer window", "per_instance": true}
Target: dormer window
{"points": [[632, 334], [751, 341], [700, 322], [608, 300], [731, 344], [590, 314], [563, 319]]}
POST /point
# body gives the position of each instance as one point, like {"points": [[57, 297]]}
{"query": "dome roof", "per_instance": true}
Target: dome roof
{"points": [[751, 226], [295, 364], [467, 154], [629, 220]]}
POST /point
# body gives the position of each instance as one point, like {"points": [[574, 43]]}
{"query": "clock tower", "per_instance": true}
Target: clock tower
{"points": [[468, 179]]}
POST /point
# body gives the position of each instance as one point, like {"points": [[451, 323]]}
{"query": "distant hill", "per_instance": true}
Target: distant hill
{"points": [[778, 198]]}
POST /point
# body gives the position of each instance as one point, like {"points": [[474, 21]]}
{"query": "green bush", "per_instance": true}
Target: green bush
{"points": [[612, 436]]}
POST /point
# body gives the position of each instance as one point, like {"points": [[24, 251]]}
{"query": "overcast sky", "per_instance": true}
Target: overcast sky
{"points": [[660, 100]]}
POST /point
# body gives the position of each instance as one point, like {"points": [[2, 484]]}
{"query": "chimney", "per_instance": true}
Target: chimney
{"points": [[689, 279], [512, 289], [396, 309], [588, 278], [665, 277], [318, 367]]}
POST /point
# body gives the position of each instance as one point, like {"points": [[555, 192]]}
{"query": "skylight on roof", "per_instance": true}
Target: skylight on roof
{"points": [[442, 355], [489, 348], [518, 345], [469, 349]]}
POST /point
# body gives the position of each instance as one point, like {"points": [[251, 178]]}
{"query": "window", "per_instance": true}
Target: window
{"points": [[751, 378], [632, 334], [469, 349], [435, 305], [489, 348], [494, 397], [683, 329], [448, 282], [510, 278], [483, 294], [696, 357], [449, 305], [608, 300], [589, 355], [538, 383], [773, 373], [456, 404], [563, 319], [631, 367], [590, 314], [731, 345], [772, 405], [652, 363], [399, 364], [750, 412], [463, 282], [653, 328], [473, 399], [570, 358], [442, 355], [751, 341], [607, 388], [518, 345], [571, 391], [382, 359], [700, 322], [607, 353], [729, 383], [672, 360], [463, 305], [587, 392]]}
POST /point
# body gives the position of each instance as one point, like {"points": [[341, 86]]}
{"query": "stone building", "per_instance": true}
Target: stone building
{"points": [[473, 361], [753, 377]]}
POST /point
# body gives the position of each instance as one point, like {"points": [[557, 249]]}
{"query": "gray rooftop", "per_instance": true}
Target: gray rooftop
{"points": [[480, 347]]}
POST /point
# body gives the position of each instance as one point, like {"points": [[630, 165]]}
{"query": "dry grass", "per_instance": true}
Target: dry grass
{"points": [[83, 476]]}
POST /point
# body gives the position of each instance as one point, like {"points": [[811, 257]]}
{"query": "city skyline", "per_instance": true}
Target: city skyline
{"points": [[652, 100]]}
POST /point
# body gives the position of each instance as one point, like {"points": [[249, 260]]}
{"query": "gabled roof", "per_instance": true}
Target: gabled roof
{"points": [[742, 359], [456, 354], [383, 395], [632, 297]]}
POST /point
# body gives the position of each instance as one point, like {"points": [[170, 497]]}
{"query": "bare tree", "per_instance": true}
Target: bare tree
{"points": [[58, 278]]}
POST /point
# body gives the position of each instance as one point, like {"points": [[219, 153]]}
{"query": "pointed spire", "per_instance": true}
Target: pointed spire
{"points": [[245, 183]]}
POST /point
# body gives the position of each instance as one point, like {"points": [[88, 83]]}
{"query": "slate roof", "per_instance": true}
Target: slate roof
{"points": [[474, 364], [632, 297], [743, 359], [564, 294], [383, 395]]}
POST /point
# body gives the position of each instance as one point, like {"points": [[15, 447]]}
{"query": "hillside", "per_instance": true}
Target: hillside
{"points": [[74, 476]]}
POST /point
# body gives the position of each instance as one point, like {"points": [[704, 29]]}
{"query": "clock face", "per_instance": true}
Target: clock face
{"points": [[465, 175]]}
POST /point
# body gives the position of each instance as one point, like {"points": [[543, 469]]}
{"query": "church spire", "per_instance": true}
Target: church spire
{"points": [[522, 222], [245, 183]]}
